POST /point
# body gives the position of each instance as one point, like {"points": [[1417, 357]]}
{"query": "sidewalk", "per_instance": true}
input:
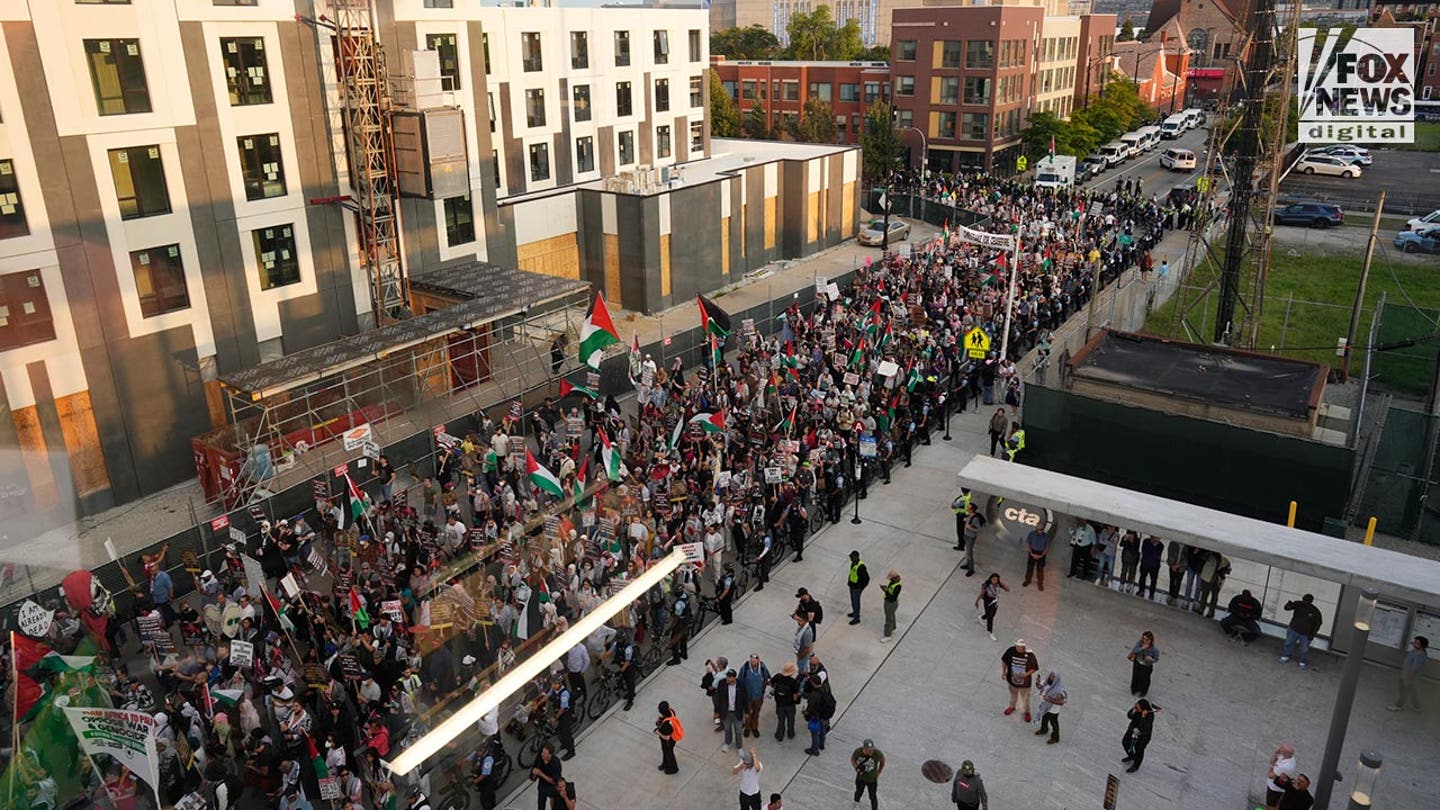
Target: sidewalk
{"points": [[935, 693]]}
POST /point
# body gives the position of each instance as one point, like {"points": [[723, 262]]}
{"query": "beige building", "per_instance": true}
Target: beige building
{"points": [[873, 15], [1055, 67]]}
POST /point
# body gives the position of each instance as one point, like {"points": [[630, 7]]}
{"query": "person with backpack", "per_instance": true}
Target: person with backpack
{"points": [[670, 731], [819, 708]]}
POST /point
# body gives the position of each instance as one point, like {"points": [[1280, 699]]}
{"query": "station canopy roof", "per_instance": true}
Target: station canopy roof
{"points": [[487, 292]]}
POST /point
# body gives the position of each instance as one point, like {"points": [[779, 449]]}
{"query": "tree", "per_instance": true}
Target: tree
{"points": [[816, 123], [879, 53], [879, 142], [815, 36], [1127, 31], [754, 42], [755, 124], [724, 115]]}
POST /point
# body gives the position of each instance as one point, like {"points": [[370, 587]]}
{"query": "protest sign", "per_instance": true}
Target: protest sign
{"points": [[128, 737], [242, 653]]}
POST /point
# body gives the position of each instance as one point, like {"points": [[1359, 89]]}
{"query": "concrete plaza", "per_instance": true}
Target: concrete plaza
{"points": [[936, 692]]}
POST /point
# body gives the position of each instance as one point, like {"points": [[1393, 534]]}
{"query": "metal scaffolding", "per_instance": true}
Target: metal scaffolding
{"points": [[300, 416]]}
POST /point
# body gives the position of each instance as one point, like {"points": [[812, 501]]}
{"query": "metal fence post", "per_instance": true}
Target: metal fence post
{"points": [[1285, 328]]}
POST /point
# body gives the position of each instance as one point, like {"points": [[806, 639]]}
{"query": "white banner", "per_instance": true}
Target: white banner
{"points": [[127, 736], [254, 576], [998, 241], [242, 653], [35, 620]]}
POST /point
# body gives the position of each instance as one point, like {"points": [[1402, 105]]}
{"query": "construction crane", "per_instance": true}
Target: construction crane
{"points": [[1239, 265], [365, 109]]}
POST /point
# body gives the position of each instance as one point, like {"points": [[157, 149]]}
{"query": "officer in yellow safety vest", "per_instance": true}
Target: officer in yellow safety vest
{"points": [[1017, 440], [859, 581], [891, 590], [960, 506]]}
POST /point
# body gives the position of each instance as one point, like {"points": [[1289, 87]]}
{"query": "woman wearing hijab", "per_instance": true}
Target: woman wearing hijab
{"points": [[1052, 696], [1137, 735], [665, 727]]}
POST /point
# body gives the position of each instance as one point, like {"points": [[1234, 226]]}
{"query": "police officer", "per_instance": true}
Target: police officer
{"points": [[834, 484], [765, 559], [559, 699], [799, 527], [961, 507], [625, 659], [484, 774], [679, 627], [1016, 442], [724, 598]]}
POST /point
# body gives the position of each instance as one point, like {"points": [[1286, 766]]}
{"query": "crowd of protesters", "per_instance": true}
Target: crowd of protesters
{"points": [[373, 616]]}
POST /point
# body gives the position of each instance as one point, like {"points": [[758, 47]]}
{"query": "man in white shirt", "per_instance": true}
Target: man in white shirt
{"points": [[455, 532], [749, 769], [1282, 770]]}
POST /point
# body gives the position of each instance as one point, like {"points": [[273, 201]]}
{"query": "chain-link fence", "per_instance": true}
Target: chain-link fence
{"points": [[913, 206]]}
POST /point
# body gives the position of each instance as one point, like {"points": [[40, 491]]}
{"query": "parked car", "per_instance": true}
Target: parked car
{"points": [[1176, 159], [1427, 241], [1325, 164], [874, 233], [1096, 164], [1184, 195], [1310, 214], [1422, 223], [1084, 172], [1358, 154]]}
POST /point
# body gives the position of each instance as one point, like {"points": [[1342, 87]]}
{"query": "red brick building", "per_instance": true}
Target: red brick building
{"points": [[1160, 70], [781, 88]]}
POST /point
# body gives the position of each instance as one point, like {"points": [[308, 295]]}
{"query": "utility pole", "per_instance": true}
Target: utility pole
{"points": [[1094, 294], [1360, 291], [1431, 446], [1242, 192]]}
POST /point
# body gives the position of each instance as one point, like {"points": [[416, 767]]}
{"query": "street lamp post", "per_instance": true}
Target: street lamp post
{"points": [[1345, 698], [924, 150], [1362, 796]]}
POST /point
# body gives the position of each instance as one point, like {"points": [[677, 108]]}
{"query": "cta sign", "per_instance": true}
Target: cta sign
{"points": [[1356, 86]]}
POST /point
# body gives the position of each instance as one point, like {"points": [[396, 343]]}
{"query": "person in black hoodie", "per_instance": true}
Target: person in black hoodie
{"points": [[785, 689], [1137, 734]]}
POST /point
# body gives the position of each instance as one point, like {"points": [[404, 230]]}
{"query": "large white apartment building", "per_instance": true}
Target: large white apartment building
{"points": [[168, 172], [1055, 66]]}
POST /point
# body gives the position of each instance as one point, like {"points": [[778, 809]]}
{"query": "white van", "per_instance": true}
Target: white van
{"points": [[1131, 141], [1114, 153], [1196, 116], [1180, 160], [1174, 126], [1149, 138]]}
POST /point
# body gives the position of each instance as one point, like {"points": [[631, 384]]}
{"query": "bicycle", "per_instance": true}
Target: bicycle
{"points": [[530, 749], [607, 690]]}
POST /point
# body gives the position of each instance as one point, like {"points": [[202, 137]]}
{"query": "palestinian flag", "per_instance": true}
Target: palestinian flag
{"points": [[317, 760], [887, 335], [788, 423], [609, 456], [34, 662], [225, 698], [596, 333], [717, 357], [357, 499], [791, 361], [709, 422], [279, 610], [580, 482], [357, 609], [713, 320], [541, 477], [913, 378], [858, 355], [675, 435], [566, 389]]}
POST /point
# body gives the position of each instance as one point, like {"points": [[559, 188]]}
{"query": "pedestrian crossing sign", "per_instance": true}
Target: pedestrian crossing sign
{"points": [[977, 343]]}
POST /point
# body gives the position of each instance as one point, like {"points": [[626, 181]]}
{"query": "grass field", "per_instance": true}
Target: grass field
{"points": [[1307, 307], [1427, 138]]}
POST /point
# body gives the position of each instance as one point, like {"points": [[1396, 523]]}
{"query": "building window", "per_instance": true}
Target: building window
{"points": [[974, 126], [697, 136], [950, 90], [495, 166], [904, 118], [662, 95], [581, 103], [139, 182], [490, 101], [904, 85], [627, 148], [849, 92], [662, 142], [790, 90], [160, 280], [694, 45], [245, 74], [24, 310], [697, 92], [731, 89], [579, 50], [747, 89], [531, 61], [905, 51], [261, 166], [947, 125], [102, 2], [872, 92], [977, 90], [534, 108], [662, 47], [584, 154], [12, 212], [950, 54], [244, 2], [118, 73], [820, 90], [622, 98], [438, 4], [540, 161], [485, 49], [622, 49], [276, 256], [445, 45], [459, 221], [980, 54]]}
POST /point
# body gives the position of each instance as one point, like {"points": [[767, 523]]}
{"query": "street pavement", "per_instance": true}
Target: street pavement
{"points": [[936, 692]]}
